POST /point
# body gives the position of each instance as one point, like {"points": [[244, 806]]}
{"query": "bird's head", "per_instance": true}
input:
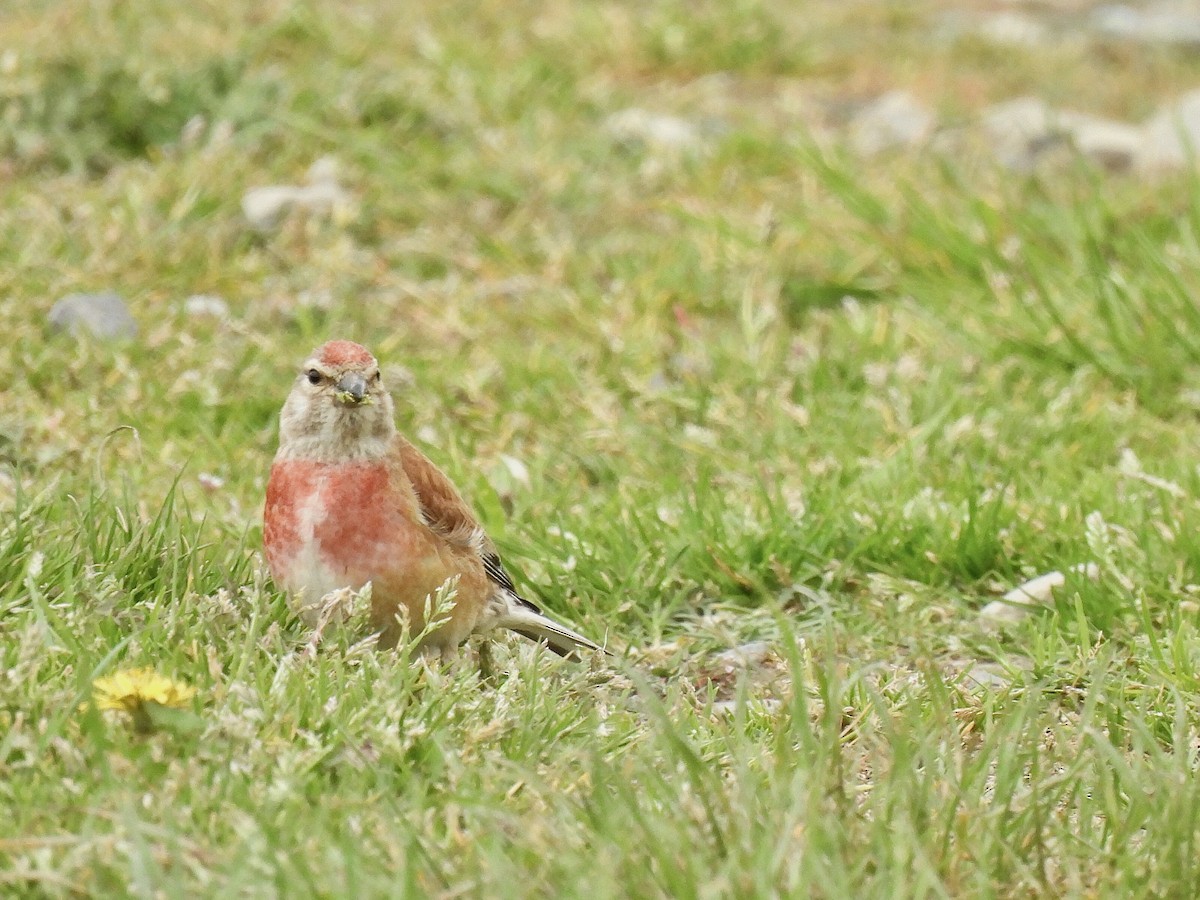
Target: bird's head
{"points": [[338, 407]]}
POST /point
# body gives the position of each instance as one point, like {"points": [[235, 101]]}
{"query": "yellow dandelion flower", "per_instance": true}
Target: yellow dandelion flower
{"points": [[132, 690]]}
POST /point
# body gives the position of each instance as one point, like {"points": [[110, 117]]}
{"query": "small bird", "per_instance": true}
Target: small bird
{"points": [[351, 501]]}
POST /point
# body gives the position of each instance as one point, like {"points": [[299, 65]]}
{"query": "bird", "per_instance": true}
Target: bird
{"points": [[350, 500]]}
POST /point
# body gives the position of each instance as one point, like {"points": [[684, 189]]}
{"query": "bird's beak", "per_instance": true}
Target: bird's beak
{"points": [[351, 390]]}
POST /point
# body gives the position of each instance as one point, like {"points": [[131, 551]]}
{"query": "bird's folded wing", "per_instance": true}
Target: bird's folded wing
{"points": [[447, 513], [442, 506]]}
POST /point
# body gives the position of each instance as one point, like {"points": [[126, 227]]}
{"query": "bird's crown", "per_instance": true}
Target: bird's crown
{"points": [[339, 354]]}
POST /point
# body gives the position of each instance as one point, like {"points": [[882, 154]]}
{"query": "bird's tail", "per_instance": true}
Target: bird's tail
{"points": [[528, 621]]}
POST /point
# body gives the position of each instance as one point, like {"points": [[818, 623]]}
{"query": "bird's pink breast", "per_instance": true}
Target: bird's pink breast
{"points": [[325, 524]]}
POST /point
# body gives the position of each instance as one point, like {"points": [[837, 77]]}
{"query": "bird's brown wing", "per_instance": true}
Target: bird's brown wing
{"points": [[447, 513], [442, 506]]}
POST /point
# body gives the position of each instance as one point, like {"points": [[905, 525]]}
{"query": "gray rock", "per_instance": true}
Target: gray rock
{"points": [[1037, 593], [1113, 145], [103, 316], [324, 171], [1023, 599], [1024, 132], [894, 120], [653, 130], [1018, 131], [1006, 28], [1012, 29], [1171, 136], [265, 207], [1170, 24]]}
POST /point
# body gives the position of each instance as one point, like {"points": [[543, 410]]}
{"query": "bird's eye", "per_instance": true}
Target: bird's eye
{"points": [[314, 377], [375, 377]]}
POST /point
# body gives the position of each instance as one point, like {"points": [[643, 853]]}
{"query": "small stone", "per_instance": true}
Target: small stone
{"points": [[324, 171], [1011, 29], [1018, 130], [206, 305], [1034, 594], [1006, 28], [1171, 137], [654, 130], [1117, 20], [103, 316], [1023, 132], [1001, 612], [1168, 24], [1113, 145], [265, 207], [895, 120]]}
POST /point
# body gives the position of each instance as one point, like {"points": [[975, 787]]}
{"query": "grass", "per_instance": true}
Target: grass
{"points": [[760, 392]]}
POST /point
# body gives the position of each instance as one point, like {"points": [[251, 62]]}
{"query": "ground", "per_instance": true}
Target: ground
{"points": [[774, 420]]}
